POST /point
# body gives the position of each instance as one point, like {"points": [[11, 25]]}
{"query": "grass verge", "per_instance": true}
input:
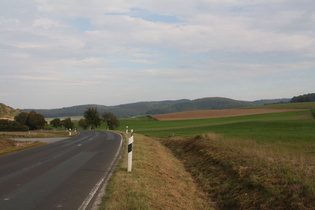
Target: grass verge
{"points": [[245, 174], [158, 181], [38, 134], [9, 146]]}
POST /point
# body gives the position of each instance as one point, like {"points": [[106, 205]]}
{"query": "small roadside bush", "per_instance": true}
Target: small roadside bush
{"points": [[8, 125]]}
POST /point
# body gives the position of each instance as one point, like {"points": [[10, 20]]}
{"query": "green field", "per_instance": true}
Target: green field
{"points": [[262, 161], [294, 131], [149, 126], [285, 126]]}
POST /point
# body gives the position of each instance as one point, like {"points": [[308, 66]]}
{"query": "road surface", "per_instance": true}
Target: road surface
{"points": [[68, 174]]}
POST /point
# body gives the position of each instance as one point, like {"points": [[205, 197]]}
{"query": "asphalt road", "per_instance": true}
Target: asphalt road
{"points": [[68, 174]]}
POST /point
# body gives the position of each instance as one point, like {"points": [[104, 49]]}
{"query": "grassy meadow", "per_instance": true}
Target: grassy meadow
{"points": [[289, 125], [263, 161], [158, 180]]}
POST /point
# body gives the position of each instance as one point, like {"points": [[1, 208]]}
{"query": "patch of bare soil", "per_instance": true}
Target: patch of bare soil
{"points": [[204, 114]]}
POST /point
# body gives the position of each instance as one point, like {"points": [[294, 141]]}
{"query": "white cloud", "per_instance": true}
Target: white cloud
{"points": [[85, 8], [141, 61], [28, 78], [88, 62], [45, 23], [8, 24], [205, 33], [103, 45]]}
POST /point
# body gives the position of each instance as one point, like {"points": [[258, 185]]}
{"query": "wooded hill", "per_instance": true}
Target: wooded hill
{"points": [[303, 98], [157, 107]]}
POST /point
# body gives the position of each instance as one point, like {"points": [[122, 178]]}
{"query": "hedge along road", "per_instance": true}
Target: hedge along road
{"points": [[67, 174]]}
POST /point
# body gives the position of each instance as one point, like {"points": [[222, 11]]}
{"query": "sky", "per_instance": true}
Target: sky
{"points": [[60, 53]]}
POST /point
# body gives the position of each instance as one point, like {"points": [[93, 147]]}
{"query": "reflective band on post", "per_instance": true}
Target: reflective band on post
{"points": [[130, 141], [129, 147]]}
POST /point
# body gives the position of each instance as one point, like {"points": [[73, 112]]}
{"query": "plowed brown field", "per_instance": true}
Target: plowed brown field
{"points": [[203, 114]]}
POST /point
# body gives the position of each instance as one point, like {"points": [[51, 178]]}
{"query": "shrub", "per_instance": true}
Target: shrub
{"points": [[8, 125]]}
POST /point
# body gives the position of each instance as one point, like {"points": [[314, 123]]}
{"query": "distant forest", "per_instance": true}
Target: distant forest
{"points": [[156, 107], [303, 98]]}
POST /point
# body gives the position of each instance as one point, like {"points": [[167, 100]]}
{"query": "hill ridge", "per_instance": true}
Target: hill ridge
{"points": [[157, 107]]}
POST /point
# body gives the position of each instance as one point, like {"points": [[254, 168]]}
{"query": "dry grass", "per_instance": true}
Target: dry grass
{"points": [[5, 142], [9, 146], [204, 114], [299, 162], [158, 181], [244, 174], [37, 134], [6, 118]]}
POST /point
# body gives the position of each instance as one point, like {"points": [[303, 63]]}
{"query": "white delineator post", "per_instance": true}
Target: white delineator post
{"points": [[126, 129], [130, 142]]}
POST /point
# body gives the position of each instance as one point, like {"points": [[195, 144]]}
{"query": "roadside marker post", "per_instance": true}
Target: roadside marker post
{"points": [[127, 129], [130, 142]]}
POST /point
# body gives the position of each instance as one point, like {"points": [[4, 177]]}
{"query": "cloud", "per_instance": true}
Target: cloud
{"points": [[28, 78], [45, 23], [154, 48], [141, 61]]}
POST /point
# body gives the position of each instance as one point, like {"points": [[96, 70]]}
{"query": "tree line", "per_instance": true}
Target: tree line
{"points": [[303, 98], [25, 121], [92, 120]]}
